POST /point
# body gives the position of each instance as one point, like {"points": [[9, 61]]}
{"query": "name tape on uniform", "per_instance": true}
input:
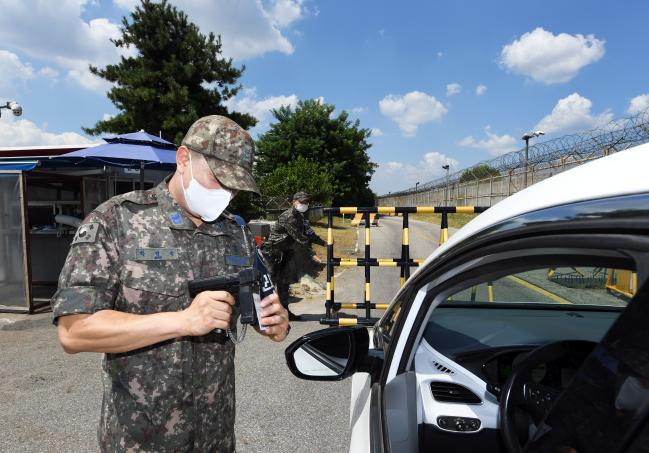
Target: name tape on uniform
{"points": [[155, 254]]}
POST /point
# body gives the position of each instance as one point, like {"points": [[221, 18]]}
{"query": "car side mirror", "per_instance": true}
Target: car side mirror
{"points": [[330, 354]]}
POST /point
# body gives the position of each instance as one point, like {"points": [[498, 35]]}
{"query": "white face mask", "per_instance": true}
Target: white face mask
{"points": [[206, 203], [302, 207]]}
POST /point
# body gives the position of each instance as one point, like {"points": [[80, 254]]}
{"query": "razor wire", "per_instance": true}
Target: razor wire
{"points": [[615, 136]]}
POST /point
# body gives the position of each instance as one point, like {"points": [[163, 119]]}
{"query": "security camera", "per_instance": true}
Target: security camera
{"points": [[16, 108]]}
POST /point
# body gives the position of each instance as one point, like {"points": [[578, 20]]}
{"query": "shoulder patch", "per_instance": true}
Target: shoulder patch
{"points": [[86, 233]]}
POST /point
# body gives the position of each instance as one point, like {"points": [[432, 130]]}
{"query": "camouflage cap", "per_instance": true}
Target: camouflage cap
{"points": [[228, 149], [302, 197]]}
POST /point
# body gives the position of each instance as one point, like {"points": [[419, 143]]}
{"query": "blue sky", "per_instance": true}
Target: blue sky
{"points": [[409, 70]]}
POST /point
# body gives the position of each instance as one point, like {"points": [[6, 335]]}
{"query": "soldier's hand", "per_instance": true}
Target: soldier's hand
{"points": [[208, 311], [274, 317], [317, 259]]}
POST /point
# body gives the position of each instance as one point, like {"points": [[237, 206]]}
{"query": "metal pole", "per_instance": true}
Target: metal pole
{"points": [[527, 146], [141, 175]]}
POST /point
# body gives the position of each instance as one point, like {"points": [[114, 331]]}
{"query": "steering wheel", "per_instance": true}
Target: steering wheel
{"points": [[522, 394]]}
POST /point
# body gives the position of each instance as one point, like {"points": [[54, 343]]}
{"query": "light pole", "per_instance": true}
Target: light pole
{"points": [[527, 137], [416, 196], [446, 167], [15, 108]]}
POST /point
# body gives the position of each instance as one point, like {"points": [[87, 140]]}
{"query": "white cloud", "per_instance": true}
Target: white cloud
{"points": [[453, 89], [54, 32], [126, 4], [248, 28], [21, 132], [638, 104], [440, 54], [480, 90], [247, 101], [14, 72], [573, 113], [493, 143], [550, 58], [107, 116], [412, 110], [285, 12], [393, 176], [359, 109], [376, 132]]}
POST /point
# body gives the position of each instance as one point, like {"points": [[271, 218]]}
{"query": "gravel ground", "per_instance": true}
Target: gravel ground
{"points": [[50, 401]]}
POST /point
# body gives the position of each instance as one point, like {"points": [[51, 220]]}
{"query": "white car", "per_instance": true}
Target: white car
{"points": [[527, 331]]}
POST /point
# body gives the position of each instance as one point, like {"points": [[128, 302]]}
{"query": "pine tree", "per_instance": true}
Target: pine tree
{"points": [[175, 76]]}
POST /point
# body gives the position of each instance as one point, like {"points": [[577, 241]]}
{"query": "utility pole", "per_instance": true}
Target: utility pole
{"points": [[527, 137], [446, 167]]}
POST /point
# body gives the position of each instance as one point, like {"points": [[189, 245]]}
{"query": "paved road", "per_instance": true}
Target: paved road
{"points": [[50, 401]]}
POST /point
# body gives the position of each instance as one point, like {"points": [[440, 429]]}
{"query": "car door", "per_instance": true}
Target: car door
{"points": [[395, 417]]}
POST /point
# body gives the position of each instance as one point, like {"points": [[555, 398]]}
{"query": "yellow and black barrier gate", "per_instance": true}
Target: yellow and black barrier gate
{"points": [[405, 262]]}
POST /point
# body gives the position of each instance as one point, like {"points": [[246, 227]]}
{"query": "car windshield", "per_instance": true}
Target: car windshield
{"points": [[592, 286]]}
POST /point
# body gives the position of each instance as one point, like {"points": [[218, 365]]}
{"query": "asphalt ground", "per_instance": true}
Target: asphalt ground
{"points": [[50, 401]]}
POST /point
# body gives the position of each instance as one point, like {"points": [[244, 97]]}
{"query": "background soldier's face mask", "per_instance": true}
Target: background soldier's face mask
{"points": [[206, 203], [302, 207]]}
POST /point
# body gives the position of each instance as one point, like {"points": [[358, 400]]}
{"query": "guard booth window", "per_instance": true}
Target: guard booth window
{"points": [[12, 258], [129, 185]]}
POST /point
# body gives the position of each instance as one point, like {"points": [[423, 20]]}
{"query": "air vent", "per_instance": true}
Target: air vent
{"points": [[442, 368], [447, 392]]}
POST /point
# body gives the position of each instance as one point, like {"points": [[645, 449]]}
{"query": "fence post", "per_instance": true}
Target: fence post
{"points": [[491, 190], [509, 183]]}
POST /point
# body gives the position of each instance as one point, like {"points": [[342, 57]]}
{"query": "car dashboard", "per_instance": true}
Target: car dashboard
{"points": [[467, 354]]}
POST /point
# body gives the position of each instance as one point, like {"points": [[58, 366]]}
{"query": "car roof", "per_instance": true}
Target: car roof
{"points": [[622, 173]]}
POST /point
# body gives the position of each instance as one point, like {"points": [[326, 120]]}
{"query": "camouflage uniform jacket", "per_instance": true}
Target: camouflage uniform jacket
{"points": [[291, 228], [135, 253]]}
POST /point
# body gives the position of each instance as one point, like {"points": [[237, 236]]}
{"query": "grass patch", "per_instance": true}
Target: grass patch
{"points": [[344, 237], [454, 220]]}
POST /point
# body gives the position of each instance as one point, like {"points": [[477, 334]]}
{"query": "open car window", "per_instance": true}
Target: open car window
{"points": [[530, 307], [595, 286]]}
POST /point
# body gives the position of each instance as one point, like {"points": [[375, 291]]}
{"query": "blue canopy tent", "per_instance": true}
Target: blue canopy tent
{"points": [[129, 150]]}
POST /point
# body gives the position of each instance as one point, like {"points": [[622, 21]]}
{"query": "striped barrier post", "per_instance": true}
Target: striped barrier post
{"points": [[330, 268]]}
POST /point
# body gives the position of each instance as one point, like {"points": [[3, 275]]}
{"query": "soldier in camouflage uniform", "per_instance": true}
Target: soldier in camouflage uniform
{"points": [[290, 237], [168, 386]]}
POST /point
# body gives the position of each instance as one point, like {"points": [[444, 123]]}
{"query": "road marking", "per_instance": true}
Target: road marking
{"points": [[539, 290]]}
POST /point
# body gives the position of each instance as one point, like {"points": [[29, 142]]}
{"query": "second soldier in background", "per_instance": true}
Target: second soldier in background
{"points": [[289, 240]]}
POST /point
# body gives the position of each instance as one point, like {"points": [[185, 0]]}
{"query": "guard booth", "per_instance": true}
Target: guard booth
{"points": [[35, 188]]}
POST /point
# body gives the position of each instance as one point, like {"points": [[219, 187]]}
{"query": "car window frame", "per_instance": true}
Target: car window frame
{"points": [[447, 278]]}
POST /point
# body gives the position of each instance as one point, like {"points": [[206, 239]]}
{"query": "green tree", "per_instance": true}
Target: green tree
{"points": [[482, 171], [175, 77], [298, 175], [336, 144]]}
